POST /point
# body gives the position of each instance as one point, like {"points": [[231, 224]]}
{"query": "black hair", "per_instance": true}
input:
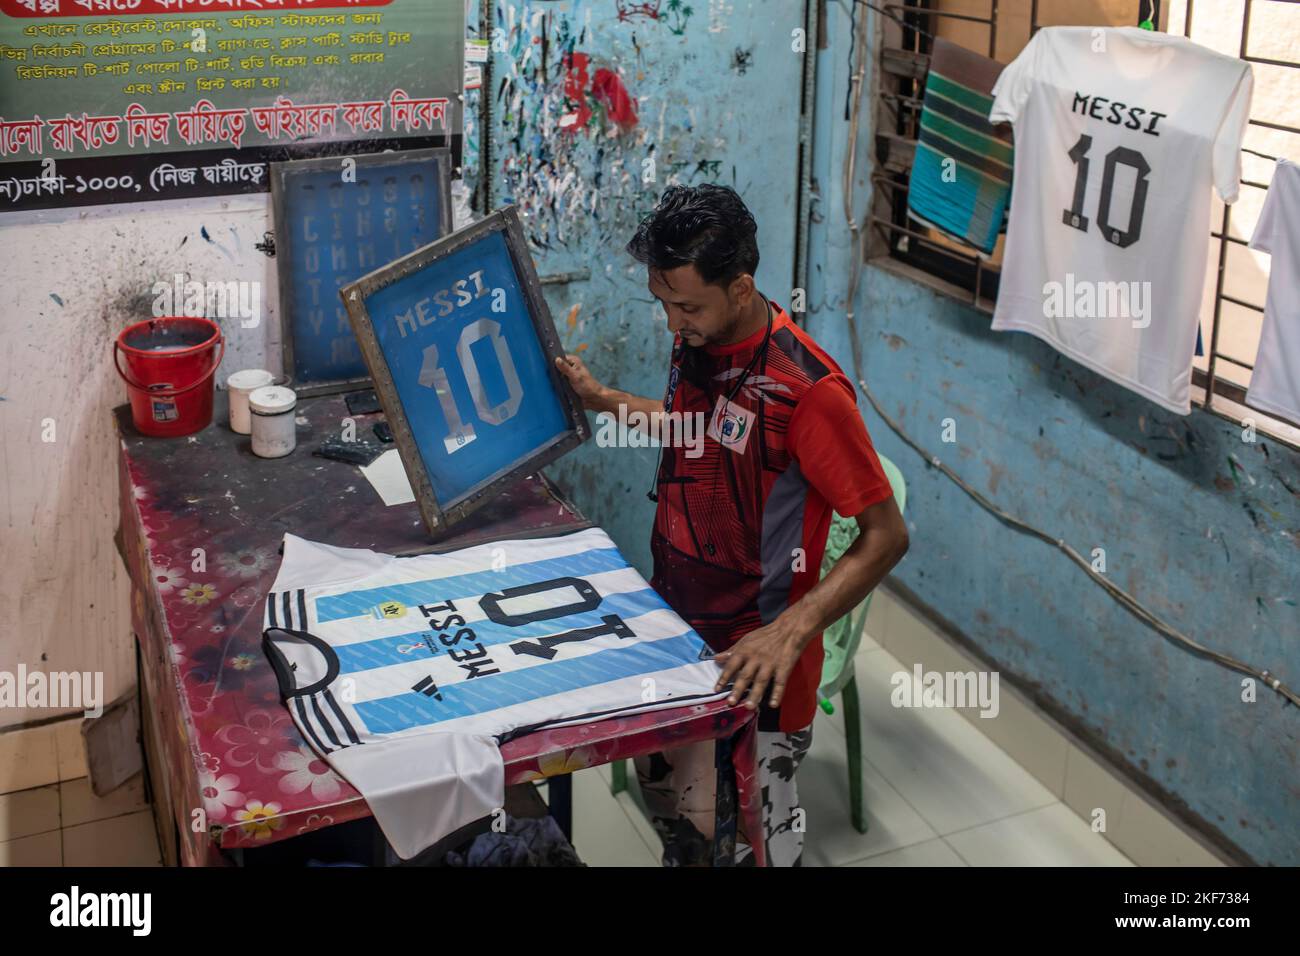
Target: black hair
{"points": [[707, 226]]}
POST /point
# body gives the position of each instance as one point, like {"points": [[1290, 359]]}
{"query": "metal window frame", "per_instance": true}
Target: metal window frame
{"points": [[439, 516], [1211, 384], [955, 267]]}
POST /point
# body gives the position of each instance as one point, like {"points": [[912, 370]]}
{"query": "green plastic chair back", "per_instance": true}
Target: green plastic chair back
{"points": [[840, 641]]}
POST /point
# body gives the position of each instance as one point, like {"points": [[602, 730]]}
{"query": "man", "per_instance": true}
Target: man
{"points": [[740, 531]]}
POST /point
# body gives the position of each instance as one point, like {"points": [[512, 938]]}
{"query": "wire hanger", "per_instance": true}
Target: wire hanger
{"points": [[1153, 14], [1255, 152]]}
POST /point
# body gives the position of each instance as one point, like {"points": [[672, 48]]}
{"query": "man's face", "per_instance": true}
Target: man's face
{"points": [[701, 313]]}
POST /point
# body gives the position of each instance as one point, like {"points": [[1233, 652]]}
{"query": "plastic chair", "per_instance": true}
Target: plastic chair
{"points": [[840, 642]]}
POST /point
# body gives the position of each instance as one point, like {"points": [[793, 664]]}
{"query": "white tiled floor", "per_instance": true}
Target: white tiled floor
{"points": [[938, 793], [64, 823], [28, 758]]}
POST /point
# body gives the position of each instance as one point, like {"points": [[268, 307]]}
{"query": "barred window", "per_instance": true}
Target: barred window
{"points": [[1257, 31]]}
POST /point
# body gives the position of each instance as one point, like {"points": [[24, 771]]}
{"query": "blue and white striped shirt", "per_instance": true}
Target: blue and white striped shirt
{"points": [[382, 661]]}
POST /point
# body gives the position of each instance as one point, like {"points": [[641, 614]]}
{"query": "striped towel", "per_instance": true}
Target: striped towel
{"points": [[970, 203]]}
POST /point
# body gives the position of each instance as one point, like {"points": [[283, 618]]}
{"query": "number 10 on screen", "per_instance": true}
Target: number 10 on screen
{"points": [[461, 347]]}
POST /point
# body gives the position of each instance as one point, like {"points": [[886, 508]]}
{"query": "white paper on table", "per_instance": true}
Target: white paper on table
{"points": [[388, 477]]}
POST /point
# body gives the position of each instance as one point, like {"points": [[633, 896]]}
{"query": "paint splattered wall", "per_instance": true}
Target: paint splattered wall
{"points": [[599, 105], [84, 276]]}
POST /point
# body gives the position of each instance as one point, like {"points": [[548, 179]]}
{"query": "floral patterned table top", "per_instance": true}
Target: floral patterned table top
{"points": [[202, 520]]}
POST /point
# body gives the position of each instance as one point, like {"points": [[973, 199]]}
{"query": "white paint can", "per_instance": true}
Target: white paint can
{"points": [[271, 409], [238, 386]]}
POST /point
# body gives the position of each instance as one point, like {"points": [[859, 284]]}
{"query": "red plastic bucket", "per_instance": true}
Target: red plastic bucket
{"points": [[169, 373]]}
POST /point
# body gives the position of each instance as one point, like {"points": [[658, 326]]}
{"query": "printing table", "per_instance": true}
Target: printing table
{"points": [[201, 523]]}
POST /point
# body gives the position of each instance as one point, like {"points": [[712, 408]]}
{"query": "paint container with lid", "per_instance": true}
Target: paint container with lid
{"points": [[271, 409], [238, 386]]}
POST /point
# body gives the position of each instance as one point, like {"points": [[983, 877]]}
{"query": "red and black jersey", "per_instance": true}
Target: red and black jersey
{"points": [[740, 530]]}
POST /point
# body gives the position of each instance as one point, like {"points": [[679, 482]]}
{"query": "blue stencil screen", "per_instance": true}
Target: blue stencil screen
{"points": [[467, 365], [339, 231]]}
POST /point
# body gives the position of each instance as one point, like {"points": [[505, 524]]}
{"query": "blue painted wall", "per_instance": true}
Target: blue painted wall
{"points": [[1200, 526]]}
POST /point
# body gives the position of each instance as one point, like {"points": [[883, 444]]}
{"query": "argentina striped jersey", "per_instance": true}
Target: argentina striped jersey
{"points": [[406, 674]]}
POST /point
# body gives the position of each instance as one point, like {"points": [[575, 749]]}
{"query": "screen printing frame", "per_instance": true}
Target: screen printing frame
{"points": [[439, 516], [280, 173]]}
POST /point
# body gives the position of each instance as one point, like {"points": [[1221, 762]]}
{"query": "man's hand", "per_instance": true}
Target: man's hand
{"points": [[768, 654], [598, 398], [592, 393], [764, 656]]}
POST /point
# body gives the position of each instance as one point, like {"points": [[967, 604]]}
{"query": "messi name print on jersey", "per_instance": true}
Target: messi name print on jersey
{"points": [[1119, 135], [406, 674]]}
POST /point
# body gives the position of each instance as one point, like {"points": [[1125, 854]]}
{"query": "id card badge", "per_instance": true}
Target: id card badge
{"points": [[730, 425]]}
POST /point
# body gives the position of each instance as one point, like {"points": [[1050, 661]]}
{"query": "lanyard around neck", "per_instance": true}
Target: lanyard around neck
{"points": [[762, 350], [674, 377]]}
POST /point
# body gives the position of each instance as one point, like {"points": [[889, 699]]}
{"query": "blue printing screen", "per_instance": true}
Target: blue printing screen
{"points": [[340, 232], [468, 368]]}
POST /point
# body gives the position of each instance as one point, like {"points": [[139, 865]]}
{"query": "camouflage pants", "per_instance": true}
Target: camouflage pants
{"points": [[679, 788]]}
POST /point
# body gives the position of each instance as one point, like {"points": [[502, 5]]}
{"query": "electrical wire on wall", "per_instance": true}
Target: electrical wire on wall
{"points": [[858, 234]]}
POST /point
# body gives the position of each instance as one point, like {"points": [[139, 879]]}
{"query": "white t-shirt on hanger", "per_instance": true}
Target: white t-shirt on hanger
{"points": [[1275, 383], [1119, 135]]}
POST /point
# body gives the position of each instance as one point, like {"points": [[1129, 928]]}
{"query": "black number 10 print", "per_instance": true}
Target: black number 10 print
{"points": [[1074, 216], [589, 599]]}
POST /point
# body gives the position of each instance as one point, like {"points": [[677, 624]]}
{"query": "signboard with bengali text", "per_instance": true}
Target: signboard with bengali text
{"points": [[136, 100]]}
